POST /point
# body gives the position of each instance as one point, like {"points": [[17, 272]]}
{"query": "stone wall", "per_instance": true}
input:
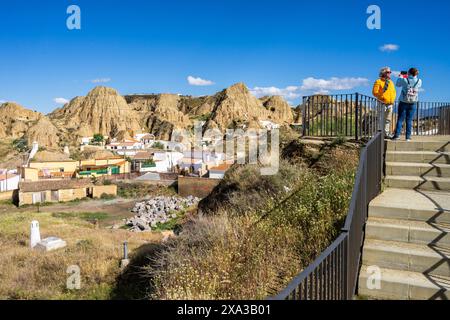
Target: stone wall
{"points": [[71, 194], [97, 191], [197, 187], [7, 195]]}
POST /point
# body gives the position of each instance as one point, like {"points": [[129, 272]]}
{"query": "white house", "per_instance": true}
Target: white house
{"points": [[155, 160], [145, 138], [125, 148], [170, 145], [163, 161], [9, 181], [218, 172], [86, 140]]}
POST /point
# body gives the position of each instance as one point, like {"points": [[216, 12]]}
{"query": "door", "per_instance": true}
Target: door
{"points": [[36, 197]]}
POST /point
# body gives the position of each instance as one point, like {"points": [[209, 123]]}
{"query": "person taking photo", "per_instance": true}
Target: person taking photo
{"points": [[409, 97]]}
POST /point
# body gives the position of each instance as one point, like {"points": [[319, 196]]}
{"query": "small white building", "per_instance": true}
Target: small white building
{"points": [[170, 145], [218, 172], [156, 161], [164, 161], [125, 148], [9, 181], [145, 138], [86, 140]]}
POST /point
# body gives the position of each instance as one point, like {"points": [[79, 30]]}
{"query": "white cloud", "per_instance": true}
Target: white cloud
{"points": [[60, 100], [2, 101], [289, 93], [193, 81], [310, 86], [322, 92], [389, 47], [334, 83], [101, 80]]}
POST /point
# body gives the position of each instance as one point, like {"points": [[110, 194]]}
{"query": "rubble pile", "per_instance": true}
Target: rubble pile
{"points": [[150, 213]]}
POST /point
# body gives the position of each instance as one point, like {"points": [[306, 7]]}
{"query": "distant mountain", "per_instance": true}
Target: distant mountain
{"points": [[103, 110]]}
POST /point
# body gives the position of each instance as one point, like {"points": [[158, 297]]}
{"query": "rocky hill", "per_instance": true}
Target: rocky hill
{"points": [[103, 110]]}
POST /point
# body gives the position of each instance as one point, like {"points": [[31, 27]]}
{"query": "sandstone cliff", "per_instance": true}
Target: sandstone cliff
{"points": [[15, 120], [102, 111], [279, 110]]}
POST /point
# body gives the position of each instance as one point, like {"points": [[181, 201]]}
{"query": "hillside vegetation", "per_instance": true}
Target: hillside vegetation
{"points": [[257, 232]]}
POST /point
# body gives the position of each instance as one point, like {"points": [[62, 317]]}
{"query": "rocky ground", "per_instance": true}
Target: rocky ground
{"points": [[158, 210]]}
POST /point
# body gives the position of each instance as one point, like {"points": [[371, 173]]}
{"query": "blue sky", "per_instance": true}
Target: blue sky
{"points": [[293, 48]]}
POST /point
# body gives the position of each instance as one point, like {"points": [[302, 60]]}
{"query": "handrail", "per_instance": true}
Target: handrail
{"points": [[334, 273]]}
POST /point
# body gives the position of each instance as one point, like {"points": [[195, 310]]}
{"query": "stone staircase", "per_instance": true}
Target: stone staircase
{"points": [[406, 253]]}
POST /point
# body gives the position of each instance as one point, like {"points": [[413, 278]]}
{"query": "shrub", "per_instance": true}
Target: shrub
{"points": [[258, 231], [158, 145], [105, 196], [21, 145]]}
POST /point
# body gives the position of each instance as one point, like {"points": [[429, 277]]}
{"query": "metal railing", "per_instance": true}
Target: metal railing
{"points": [[350, 115], [334, 274], [355, 115], [431, 118]]}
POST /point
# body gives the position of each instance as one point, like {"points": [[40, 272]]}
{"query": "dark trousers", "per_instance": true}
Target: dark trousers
{"points": [[405, 112]]}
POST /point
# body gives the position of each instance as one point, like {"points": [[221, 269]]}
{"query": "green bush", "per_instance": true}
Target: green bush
{"points": [[158, 145], [105, 196], [21, 145]]}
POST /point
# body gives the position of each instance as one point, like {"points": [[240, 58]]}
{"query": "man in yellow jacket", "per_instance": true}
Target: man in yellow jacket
{"points": [[384, 90]]}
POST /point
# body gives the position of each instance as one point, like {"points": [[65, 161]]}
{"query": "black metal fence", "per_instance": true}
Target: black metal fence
{"points": [[334, 274], [347, 115], [431, 118], [355, 115]]}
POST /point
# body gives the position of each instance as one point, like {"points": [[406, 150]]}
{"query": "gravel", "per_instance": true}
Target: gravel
{"points": [[150, 213]]}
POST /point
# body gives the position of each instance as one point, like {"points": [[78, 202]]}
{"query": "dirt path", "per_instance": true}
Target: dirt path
{"points": [[116, 209]]}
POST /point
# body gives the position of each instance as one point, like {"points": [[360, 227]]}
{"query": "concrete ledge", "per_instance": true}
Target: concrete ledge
{"points": [[405, 285], [418, 156], [417, 169], [412, 182], [415, 145], [408, 231], [429, 259]]}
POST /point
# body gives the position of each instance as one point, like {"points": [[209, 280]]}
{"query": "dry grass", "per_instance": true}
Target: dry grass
{"points": [[28, 274], [266, 235], [225, 258]]}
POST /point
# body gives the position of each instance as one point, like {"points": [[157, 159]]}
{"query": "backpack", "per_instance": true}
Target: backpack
{"points": [[412, 93]]}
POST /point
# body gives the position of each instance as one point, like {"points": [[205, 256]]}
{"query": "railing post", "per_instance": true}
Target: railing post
{"points": [[356, 116], [417, 117], [304, 117]]}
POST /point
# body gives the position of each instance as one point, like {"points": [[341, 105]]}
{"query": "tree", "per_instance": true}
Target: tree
{"points": [[158, 145], [98, 138], [21, 145]]}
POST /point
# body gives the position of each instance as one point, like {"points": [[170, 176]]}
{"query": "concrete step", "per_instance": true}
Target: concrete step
{"points": [[417, 169], [408, 231], [417, 182], [403, 285], [415, 205], [418, 156], [430, 145], [427, 259]]}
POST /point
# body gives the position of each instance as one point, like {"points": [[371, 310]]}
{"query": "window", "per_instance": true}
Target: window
{"points": [[61, 169]]}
